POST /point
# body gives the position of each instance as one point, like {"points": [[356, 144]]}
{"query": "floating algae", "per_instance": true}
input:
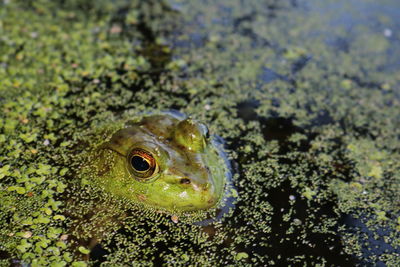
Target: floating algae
{"points": [[309, 111]]}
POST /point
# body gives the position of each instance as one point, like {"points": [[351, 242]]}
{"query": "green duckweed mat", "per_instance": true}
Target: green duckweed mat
{"points": [[304, 93]]}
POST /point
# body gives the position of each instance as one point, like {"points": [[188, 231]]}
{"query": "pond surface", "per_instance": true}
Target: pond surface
{"points": [[305, 94]]}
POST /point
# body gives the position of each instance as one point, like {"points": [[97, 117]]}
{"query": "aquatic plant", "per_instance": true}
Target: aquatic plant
{"points": [[310, 120]]}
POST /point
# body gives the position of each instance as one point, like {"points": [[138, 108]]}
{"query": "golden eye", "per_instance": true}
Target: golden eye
{"points": [[142, 164]]}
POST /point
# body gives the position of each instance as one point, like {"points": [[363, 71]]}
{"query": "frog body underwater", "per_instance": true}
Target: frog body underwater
{"points": [[164, 161]]}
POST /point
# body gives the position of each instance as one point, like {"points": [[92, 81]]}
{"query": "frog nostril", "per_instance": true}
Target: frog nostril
{"points": [[185, 181], [211, 200]]}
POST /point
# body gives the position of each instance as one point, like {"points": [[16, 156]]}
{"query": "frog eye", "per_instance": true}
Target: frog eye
{"points": [[142, 164]]}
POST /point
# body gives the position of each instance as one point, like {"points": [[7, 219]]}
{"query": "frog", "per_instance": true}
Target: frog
{"points": [[165, 161]]}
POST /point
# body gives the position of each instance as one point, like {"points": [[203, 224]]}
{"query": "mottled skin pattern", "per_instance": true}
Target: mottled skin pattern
{"points": [[188, 173]]}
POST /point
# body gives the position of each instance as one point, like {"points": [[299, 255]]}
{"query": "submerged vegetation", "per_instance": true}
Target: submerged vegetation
{"points": [[306, 100]]}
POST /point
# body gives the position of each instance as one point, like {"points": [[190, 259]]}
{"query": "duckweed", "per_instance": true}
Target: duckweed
{"points": [[84, 250], [305, 98], [241, 255]]}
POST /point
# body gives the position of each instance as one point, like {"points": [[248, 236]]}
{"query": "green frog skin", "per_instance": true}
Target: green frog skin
{"points": [[164, 161]]}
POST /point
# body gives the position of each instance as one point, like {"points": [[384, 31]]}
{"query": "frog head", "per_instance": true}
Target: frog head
{"points": [[163, 161]]}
